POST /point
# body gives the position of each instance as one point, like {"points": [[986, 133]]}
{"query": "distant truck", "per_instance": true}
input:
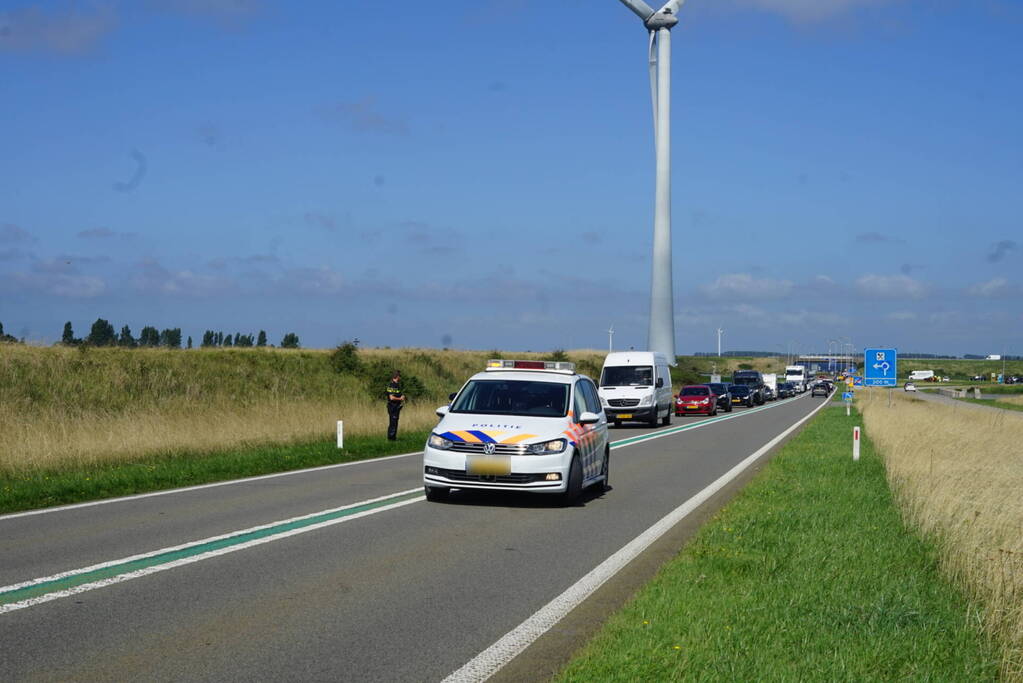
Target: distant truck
{"points": [[921, 375], [771, 380], [798, 375]]}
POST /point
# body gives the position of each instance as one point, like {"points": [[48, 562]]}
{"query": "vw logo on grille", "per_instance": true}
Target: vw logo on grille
{"points": [[489, 448]]}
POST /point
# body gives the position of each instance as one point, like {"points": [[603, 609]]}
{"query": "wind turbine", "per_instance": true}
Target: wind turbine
{"points": [[720, 332], [662, 308], [610, 338]]}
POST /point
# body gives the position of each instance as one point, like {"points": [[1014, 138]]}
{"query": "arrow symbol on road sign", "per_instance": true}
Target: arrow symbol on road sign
{"points": [[883, 367]]}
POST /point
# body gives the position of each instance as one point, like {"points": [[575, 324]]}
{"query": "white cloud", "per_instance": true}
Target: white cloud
{"points": [[66, 285], [151, 276], [66, 32], [745, 286], [999, 286], [891, 287]]}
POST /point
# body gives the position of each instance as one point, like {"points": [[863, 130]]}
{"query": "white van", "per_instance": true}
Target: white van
{"points": [[636, 385], [798, 376], [919, 375]]}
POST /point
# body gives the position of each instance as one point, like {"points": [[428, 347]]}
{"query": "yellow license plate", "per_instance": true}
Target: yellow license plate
{"points": [[488, 464], [625, 416]]}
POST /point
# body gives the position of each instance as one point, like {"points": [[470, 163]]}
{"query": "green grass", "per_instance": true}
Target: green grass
{"points": [[47, 488], [809, 574]]}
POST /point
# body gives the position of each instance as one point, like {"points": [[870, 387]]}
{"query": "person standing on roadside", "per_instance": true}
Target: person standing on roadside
{"points": [[395, 400]]}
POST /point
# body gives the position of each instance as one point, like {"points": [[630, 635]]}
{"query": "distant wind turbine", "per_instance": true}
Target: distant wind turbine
{"points": [[662, 309], [720, 332], [610, 338]]}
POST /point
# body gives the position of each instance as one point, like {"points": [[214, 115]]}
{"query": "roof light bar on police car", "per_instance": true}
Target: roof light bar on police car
{"points": [[540, 365]]}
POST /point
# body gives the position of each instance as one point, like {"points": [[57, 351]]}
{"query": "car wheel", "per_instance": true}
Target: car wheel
{"points": [[617, 424], [666, 420], [729, 408], [605, 485], [574, 484], [436, 494]]}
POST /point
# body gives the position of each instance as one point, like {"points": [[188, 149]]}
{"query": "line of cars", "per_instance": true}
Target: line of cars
{"points": [[539, 426], [747, 389]]}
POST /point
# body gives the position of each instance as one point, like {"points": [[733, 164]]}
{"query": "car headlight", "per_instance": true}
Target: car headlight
{"points": [[547, 447], [439, 442], [645, 400]]}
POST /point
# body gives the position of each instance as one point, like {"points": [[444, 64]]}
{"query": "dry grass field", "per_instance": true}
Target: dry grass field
{"points": [[67, 408], [958, 475]]}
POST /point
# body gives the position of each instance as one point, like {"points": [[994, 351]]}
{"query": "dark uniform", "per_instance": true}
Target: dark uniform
{"points": [[395, 400]]}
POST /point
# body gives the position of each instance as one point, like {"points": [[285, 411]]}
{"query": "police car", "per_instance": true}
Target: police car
{"points": [[520, 425]]}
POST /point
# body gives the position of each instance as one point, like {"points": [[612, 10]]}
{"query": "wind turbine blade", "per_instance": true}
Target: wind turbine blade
{"points": [[642, 10], [653, 79], [671, 7]]}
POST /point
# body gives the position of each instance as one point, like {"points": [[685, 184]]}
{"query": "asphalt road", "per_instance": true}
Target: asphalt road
{"points": [[410, 592]]}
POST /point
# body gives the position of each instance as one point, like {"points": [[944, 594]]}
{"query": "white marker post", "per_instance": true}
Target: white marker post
{"points": [[856, 443], [340, 434]]}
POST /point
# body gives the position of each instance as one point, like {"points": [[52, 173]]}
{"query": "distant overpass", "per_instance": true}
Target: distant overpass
{"points": [[828, 362]]}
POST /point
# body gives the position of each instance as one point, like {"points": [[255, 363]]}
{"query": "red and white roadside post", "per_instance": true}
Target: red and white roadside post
{"points": [[856, 443], [340, 434]]}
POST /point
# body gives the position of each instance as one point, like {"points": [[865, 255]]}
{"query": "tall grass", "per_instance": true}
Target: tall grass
{"points": [[958, 475], [68, 408]]}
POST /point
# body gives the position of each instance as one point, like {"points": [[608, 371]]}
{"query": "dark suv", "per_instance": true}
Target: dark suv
{"points": [[754, 380], [723, 394], [741, 395]]}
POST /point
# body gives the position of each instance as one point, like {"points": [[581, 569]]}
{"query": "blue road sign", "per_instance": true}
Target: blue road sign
{"points": [[847, 396], [880, 367]]}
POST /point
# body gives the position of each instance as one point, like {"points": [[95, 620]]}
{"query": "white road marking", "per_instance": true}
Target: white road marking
{"points": [[197, 487], [10, 607], [488, 662]]}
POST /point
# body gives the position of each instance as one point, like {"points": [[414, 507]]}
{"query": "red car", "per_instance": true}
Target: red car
{"points": [[696, 399]]}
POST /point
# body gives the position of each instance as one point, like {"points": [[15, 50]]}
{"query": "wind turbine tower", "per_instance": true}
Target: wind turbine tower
{"points": [[720, 332], [662, 307], [610, 338]]}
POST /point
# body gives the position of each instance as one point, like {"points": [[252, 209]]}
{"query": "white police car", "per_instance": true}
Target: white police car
{"points": [[520, 426]]}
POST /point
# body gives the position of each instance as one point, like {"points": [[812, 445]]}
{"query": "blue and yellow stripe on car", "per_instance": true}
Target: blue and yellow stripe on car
{"points": [[480, 436]]}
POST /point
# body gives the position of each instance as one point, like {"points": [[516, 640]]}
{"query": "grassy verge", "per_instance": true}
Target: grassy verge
{"points": [[809, 574], [994, 403], [44, 488]]}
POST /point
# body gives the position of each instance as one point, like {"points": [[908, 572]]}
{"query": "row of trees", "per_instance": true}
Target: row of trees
{"points": [[102, 334]]}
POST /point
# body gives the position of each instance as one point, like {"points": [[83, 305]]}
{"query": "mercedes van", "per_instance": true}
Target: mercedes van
{"points": [[636, 386]]}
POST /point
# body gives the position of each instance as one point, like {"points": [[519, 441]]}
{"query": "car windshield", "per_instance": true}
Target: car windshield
{"points": [[513, 397], [739, 389], [718, 388], [794, 373], [695, 391], [745, 379], [627, 376]]}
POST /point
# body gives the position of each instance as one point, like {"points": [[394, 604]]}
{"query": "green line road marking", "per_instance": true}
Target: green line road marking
{"points": [[74, 580], [675, 430]]}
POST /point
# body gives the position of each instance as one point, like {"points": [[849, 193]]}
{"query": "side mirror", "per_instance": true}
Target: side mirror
{"points": [[660, 382], [588, 418], [442, 411], [451, 397]]}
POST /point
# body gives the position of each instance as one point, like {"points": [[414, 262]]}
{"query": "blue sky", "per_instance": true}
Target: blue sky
{"points": [[480, 174]]}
